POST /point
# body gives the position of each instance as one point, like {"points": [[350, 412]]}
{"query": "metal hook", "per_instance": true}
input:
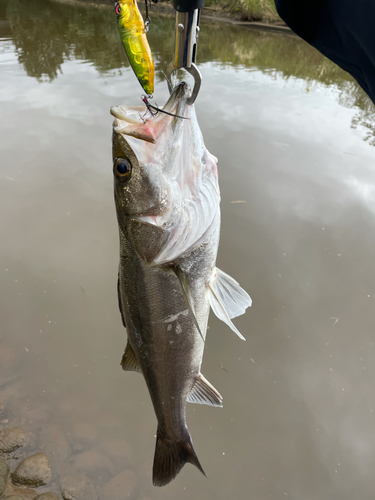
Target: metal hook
{"points": [[194, 72], [185, 49], [148, 18], [154, 110]]}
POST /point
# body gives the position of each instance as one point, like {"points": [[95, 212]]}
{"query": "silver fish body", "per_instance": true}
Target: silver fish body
{"points": [[168, 207]]}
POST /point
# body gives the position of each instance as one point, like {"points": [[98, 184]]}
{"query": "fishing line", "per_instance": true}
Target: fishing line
{"points": [[148, 18], [168, 80], [154, 110]]}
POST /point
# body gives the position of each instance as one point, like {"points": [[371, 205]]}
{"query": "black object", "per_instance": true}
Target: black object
{"points": [[342, 30], [187, 5]]}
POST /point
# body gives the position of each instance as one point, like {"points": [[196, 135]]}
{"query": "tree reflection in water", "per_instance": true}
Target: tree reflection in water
{"points": [[46, 33]]}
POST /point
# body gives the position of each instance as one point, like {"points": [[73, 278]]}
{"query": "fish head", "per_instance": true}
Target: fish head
{"points": [[165, 180], [139, 194]]}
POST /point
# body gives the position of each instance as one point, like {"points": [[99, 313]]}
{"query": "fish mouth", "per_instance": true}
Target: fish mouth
{"points": [[136, 122]]}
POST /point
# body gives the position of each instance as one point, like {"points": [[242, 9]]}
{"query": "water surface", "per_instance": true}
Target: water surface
{"points": [[293, 134]]}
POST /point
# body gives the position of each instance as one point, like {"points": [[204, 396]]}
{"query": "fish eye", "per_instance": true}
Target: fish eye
{"points": [[122, 169], [117, 8]]}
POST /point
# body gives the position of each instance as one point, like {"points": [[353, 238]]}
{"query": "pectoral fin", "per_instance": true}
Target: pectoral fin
{"points": [[204, 393], [184, 282], [227, 299], [119, 300], [129, 362]]}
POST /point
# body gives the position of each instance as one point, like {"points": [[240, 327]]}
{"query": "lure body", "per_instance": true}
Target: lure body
{"points": [[133, 35]]}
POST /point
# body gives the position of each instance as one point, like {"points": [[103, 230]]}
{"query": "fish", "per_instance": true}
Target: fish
{"points": [[134, 40], [167, 201]]}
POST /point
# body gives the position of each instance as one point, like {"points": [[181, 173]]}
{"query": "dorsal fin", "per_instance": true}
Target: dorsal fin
{"points": [[204, 393], [227, 299], [129, 362]]}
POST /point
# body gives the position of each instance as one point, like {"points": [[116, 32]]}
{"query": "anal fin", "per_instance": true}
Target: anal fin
{"points": [[204, 393], [129, 361]]}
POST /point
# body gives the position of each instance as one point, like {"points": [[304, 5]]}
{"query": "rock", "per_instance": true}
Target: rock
{"points": [[4, 471], [120, 487], [92, 461], [10, 362], [84, 433], [47, 496], [118, 449], [8, 357], [78, 487], [14, 493], [13, 438], [35, 413], [79, 404], [55, 445], [33, 471]]}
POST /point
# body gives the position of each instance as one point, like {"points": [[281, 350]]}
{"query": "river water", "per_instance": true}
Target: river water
{"points": [[295, 140]]}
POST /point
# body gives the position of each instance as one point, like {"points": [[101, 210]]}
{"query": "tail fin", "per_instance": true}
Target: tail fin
{"points": [[170, 457]]}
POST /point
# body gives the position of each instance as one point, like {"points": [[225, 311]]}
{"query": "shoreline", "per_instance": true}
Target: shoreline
{"points": [[215, 13], [221, 15]]}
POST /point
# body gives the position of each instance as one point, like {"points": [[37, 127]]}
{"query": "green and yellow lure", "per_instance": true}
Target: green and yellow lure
{"points": [[133, 35]]}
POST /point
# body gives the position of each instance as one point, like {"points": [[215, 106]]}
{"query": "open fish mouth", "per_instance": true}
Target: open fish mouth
{"points": [[131, 120]]}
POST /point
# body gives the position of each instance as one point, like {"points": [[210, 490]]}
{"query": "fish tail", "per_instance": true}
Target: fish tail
{"points": [[171, 456]]}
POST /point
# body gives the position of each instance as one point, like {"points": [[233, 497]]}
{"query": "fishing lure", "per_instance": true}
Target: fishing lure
{"points": [[133, 35]]}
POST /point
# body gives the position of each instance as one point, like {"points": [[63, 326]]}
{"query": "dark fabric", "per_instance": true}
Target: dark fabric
{"points": [[342, 30]]}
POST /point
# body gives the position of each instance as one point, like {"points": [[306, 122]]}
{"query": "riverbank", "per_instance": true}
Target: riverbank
{"points": [[234, 11], [263, 11]]}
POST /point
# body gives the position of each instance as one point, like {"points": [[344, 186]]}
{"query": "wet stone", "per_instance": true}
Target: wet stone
{"points": [[120, 487], [84, 433], [47, 496], [33, 471], [92, 462], [78, 487], [74, 404], [9, 362], [4, 471], [55, 445], [8, 357], [13, 438], [35, 413], [19, 492], [117, 449], [14, 493]]}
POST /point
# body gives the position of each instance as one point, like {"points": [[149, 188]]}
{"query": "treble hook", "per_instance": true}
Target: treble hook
{"points": [[154, 110]]}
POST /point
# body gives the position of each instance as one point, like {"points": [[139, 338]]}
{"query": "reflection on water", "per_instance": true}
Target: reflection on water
{"points": [[298, 416], [87, 32]]}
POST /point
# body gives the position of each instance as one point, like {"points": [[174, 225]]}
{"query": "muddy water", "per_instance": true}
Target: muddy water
{"points": [[293, 135]]}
